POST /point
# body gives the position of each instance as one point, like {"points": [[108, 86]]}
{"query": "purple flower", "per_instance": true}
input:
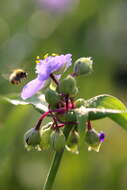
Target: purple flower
{"points": [[45, 67], [101, 136], [57, 5]]}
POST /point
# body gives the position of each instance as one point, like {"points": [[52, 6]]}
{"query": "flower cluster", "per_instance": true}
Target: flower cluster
{"points": [[64, 130]]}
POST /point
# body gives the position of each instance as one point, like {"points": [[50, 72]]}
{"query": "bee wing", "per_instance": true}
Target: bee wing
{"points": [[5, 76], [10, 69]]}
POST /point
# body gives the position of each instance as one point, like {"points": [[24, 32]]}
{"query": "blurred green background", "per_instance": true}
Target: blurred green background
{"points": [[95, 28]]}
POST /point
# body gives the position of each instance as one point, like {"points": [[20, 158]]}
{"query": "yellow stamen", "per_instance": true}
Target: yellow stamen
{"points": [[54, 54], [37, 61], [46, 55], [37, 57]]}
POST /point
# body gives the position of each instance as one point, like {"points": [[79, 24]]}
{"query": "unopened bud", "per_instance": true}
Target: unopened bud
{"points": [[83, 65], [52, 97], [45, 136], [94, 139], [67, 86], [57, 140], [32, 137], [74, 92]]}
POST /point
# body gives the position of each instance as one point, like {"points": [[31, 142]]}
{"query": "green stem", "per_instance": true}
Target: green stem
{"points": [[55, 164], [53, 170]]}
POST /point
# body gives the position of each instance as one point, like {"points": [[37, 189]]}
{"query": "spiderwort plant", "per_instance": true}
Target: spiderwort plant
{"points": [[71, 116]]}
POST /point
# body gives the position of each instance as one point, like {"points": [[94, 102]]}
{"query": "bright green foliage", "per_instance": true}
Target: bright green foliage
{"points": [[109, 102]]}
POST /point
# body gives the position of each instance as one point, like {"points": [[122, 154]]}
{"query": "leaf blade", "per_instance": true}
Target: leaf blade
{"points": [[37, 101], [110, 102]]}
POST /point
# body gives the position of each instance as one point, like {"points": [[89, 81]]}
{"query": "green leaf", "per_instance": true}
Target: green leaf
{"points": [[109, 102], [37, 101], [82, 118], [97, 113]]}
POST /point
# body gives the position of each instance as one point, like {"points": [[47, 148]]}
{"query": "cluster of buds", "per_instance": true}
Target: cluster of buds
{"points": [[62, 103]]}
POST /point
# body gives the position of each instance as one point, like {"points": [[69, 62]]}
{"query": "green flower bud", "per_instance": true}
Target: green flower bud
{"points": [[52, 97], [57, 140], [45, 138], [45, 133], [73, 142], [32, 137], [83, 65], [79, 102], [74, 92], [94, 139], [67, 86]]}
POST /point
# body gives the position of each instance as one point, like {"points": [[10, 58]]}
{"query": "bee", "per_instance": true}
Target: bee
{"points": [[17, 76]]}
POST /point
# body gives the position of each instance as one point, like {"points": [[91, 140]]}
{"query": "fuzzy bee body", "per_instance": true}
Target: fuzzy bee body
{"points": [[17, 76]]}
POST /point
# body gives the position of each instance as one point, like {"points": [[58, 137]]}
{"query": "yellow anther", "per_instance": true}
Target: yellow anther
{"points": [[54, 54], [37, 61], [37, 57], [46, 55]]}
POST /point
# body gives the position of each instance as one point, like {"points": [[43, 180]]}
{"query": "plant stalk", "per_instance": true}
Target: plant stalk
{"points": [[55, 163]]}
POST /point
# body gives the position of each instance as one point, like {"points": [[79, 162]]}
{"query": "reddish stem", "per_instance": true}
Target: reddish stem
{"points": [[44, 115], [89, 127], [61, 110], [55, 120], [58, 126], [72, 103], [74, 74], [67, 102], [37, 127]]}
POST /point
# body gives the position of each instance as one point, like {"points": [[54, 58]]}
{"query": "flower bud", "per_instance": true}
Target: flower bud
{"points": [[57, 140], [32, 137], [52, 97], [74, 92], [94, 139], [67, 86], [83, 65], [45, 138], [73, 142], [79, 102]]}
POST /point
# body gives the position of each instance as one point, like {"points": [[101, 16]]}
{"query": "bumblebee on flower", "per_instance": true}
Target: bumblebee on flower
{"points": [[70, 117]]}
